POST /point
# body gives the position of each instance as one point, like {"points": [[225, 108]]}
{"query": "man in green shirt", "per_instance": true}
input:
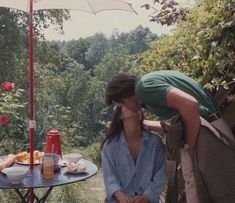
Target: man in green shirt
{"points": [[167, 93]]}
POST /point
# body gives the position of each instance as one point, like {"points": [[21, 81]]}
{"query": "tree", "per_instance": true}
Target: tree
{"points": [[111, 64], [138, 39], [134, 42], [12, 44], [14, 38], [77, 50], [97, 49]]}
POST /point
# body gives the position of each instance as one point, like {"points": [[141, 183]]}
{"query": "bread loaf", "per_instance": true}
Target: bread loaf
{"points": [[7, 162]]}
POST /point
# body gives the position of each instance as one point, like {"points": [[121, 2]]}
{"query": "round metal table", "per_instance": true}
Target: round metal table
{"points": [[34, 179]]}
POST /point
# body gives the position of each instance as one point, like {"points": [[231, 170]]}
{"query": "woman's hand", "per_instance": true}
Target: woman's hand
{"points": [[122, 198], [152, 125], [140, 199]]}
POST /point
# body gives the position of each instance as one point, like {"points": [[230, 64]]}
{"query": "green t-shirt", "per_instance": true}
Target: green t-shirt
{"points": [[151, 90]]}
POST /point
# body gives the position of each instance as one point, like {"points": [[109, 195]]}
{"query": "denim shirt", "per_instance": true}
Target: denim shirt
{"points": [[145, 176]]}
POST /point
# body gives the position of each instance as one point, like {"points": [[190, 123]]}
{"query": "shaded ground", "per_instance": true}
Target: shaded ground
{"points": [[92, 190]]}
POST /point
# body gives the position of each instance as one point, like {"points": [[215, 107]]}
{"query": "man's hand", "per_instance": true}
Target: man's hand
{"points": [[122, 198], [140, 199], [152, 125]]}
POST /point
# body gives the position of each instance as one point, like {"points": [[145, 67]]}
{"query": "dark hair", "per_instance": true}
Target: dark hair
{"points": [[119, 87], [116, 126]]}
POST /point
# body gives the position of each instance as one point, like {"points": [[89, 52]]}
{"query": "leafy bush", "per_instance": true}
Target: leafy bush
{"points": [[13, 125], [202, 46], [94, 153]]}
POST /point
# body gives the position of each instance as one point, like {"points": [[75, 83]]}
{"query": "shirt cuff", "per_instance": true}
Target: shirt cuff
{"points": [[152, 198], [112, 189]]}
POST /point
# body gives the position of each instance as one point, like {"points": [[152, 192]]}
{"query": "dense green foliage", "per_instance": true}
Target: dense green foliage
{"points": [[14, 39], [12, 105], [202, 46], [70, 79], [72, 82]]}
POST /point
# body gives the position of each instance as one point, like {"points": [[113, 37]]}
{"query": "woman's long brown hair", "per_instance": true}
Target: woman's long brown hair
{"points": [[115, 127]]}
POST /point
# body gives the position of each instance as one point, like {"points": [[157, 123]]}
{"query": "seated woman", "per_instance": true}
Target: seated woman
{"points": [[133, 160]]}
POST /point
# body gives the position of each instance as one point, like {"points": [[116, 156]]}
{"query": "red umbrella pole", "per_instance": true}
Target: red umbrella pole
{"points": [[31, 95]]}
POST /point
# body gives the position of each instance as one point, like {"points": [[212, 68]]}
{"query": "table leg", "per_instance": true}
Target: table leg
{"points": [[31, 195], [44, 198], [25, 197], [35, 197], [22, 197]]}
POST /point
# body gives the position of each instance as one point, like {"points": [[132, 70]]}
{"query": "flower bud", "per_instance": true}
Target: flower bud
{"points": [[4, 120], [7, 86]]}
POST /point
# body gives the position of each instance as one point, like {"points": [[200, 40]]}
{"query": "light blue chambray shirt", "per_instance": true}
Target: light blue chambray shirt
{"points": [[146, 176]]}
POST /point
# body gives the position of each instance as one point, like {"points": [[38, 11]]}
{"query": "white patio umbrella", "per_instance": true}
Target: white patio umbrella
{"points": [[90, 6], [29, 6]]}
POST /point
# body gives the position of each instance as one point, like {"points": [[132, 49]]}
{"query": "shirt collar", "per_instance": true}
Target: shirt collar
{"points": [[123, 139]]}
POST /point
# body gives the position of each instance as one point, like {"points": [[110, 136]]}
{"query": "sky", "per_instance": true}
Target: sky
{"points": [[85, 24]]}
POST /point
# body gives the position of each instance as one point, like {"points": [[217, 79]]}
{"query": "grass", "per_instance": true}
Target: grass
{"points": [[92, 190]]}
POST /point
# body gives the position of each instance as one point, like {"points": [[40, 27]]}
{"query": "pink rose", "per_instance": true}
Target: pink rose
{"points": [[7, 86], [4, 119]]}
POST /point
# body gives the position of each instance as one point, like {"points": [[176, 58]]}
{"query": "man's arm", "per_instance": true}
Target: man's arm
{"points": [[153, 126], [188, 108]]}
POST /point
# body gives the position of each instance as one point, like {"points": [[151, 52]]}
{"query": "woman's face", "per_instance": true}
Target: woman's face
{"points": [[129, 114], [131, 103]]}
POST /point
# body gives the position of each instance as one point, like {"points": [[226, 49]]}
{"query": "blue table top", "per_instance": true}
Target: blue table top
{"points": [[34, 178]]}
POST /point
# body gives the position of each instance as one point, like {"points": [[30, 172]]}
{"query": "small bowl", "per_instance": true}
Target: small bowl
{"points": [[15, 174], [72, 158]]}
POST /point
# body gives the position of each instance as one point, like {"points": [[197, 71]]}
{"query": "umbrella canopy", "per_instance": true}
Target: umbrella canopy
{"points": [[90, 6]]}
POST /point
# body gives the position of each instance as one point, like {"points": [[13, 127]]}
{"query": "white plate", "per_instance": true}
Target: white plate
{"points": [[74, 172], [26, 163], [64, 162]]}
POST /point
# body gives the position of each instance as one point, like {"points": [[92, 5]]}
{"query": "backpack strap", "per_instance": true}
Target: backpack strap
{"points": [[202, 188], [172, 182], [219, 134]]}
